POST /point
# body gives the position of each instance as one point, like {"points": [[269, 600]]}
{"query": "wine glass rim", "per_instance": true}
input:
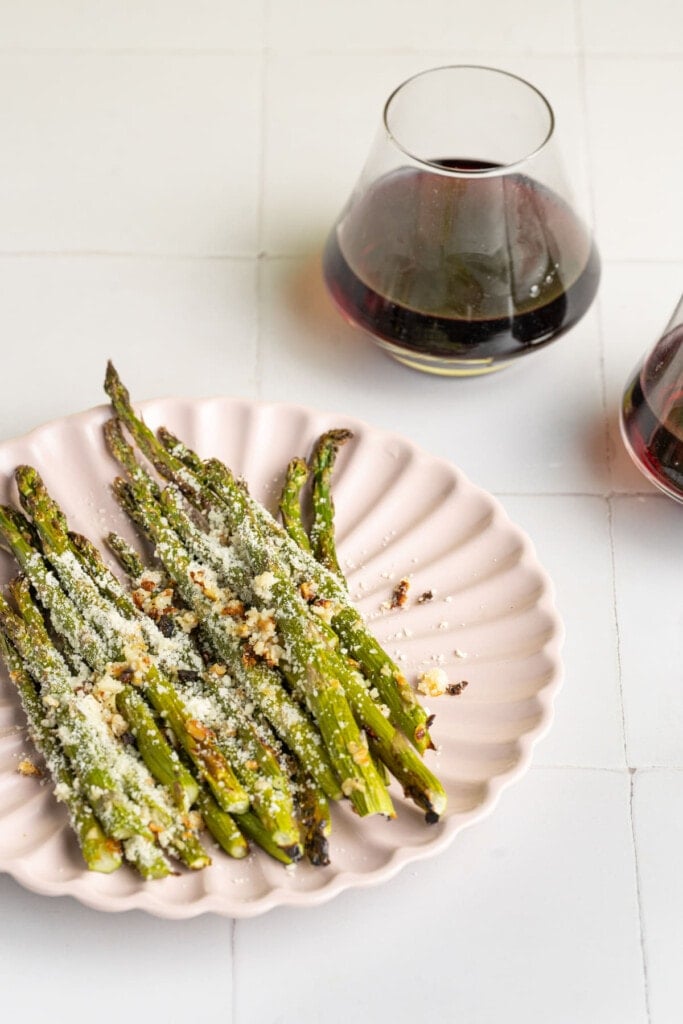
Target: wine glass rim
{"points": [[482, 172]]}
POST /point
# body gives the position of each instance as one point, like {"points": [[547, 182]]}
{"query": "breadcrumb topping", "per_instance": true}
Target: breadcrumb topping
{"points": [[28, 768]]}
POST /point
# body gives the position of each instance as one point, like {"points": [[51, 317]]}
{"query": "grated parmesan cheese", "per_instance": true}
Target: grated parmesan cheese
{"points": [[432, 683], [262, 586]]}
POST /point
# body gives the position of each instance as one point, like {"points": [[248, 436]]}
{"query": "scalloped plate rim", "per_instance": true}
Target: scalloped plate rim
{"points": [[220, 903]]}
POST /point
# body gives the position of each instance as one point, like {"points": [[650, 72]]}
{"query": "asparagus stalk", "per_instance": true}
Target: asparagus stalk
{"points": [[105, 581], [253, 762], [93, 757], [427, 792], [99, 851], [311, 666], [308, 669], [166, 464], [322, 530], [121, 640], [179, 655], [176, 836], [221, 826], [197, 740], [356, 640], [254, 829], [127, 557], [164, 764], [261, 682], [270, 794], [290, 503], [209, 485], [418, 782], [314, 811], [162, 761], [65, 617]]}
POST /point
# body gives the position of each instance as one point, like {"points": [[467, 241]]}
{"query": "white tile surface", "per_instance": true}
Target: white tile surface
{"points": [[632, 27], [175, 326], [526, 918], [323, 112], [61, 961], [141, 25], [536, 426], [397, 24], [142, 128], [635, 150], [588, 726], [636, 301], [129, 154], [658, 820], [648, 540]]}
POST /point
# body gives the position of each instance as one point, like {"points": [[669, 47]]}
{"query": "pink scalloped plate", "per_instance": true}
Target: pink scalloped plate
{"points": [[401, 513]]}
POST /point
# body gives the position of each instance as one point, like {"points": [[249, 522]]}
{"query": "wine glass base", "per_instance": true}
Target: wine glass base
{"points": [[440, 367]]}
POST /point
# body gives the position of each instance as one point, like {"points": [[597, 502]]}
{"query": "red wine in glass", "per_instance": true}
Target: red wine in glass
{"points": [[461, 270], [652, 415]]}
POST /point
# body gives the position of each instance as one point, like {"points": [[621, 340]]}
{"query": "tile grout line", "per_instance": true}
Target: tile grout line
{"points": [[582, 494], [243, 257], [609, 461], [632, 770], [258, 270], [639, 898], [583, 94], [266, 20], [614, 769], [258, 354], [578, 9], [289, 51], [615, 616], [122, 254], [583, 88], [233, 972], [260, 212], [318, 51], [122, 51], [263, 82]]}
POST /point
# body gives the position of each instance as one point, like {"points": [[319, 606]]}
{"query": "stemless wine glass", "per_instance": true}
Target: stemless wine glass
{"points": [[460, 248], [652, 411]]}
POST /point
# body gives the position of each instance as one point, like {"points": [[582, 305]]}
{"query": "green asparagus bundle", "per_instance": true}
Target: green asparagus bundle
{"points": [[228, 685], [106, 776], [270, 758], [211, 487], [119, 672], [315, 652]]}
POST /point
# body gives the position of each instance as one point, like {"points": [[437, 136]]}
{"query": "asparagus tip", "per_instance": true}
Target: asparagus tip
{"points": [[112, 381]]}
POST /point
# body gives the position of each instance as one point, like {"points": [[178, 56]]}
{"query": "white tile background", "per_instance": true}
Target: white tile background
{"points": [[168, 172]]}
